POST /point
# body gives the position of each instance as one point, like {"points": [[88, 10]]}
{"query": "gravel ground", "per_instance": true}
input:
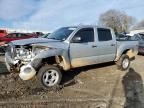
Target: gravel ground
{"points": [[97, 86]]}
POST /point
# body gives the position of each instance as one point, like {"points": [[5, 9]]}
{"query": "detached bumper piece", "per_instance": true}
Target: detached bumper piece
{"points": [[27, 72]]}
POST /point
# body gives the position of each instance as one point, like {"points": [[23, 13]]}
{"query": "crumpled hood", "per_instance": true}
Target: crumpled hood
{"points": [[33, 41], [42, 42]]}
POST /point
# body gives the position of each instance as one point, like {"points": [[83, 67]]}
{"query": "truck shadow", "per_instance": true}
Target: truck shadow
{"points": [[69, 76], [140, 54], [133, 89]]}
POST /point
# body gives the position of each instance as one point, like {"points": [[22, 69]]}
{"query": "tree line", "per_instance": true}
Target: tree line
{"points": [[119, 21]]}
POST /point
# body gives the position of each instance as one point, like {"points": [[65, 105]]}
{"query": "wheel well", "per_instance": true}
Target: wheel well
{"points": [[49, 60], [53, 60], [125, 51], [129, 52]]}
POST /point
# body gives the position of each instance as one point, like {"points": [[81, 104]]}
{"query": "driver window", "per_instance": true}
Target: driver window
{"points": [[86, 35]]}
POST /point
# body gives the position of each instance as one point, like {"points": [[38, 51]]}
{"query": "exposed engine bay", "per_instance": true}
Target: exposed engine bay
{"points": [[23, 59], [25, 54]]}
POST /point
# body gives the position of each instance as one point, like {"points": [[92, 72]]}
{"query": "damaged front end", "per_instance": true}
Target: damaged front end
{"points": [[23, 59]]}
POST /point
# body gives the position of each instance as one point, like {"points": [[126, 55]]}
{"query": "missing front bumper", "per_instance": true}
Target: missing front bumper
{"points": [[10, 63]]}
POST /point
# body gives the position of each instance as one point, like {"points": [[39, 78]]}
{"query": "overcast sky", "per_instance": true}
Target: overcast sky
{"points": [[51, 14]]}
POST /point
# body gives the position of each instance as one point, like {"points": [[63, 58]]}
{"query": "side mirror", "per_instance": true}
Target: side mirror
{"points": [[76, 39]]}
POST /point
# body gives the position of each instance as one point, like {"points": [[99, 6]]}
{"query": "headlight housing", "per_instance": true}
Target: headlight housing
{"points": [[39, 49], [23, 53], [26, 53]]}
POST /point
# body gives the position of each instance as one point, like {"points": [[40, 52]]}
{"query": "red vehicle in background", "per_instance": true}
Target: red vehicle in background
{"points": [[16, 36], [3, 33]]}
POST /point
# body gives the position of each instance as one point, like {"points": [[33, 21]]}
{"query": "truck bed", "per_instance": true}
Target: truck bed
{"points": [[133, 45]]}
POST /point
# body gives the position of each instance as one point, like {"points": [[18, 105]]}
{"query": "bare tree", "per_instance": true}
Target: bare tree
{"points": [[117, 20]]}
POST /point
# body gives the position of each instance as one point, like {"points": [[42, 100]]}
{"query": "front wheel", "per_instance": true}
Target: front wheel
{"points": [[124, 62], [49, 76]]}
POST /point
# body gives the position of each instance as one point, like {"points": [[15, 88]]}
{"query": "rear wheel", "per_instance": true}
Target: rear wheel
{"points": [[123, 63], [49, 76]]}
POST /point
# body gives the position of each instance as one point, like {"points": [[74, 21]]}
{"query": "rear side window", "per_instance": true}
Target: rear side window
{"points": [[18, 35], [104, 34], [24, 35], [11, 36], [86, 34]]}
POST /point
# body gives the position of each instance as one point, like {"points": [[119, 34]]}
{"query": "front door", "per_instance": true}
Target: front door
{"points": [[82, 47]]}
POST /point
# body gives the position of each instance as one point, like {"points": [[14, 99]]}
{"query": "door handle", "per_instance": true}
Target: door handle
{"points": [[112, 44], [93, 46]]}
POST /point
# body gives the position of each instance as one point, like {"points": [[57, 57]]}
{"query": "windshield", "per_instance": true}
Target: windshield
{"points": [[61, 34]]}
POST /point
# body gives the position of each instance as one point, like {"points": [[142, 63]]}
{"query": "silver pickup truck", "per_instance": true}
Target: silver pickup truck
{"points": [[67, 48]]}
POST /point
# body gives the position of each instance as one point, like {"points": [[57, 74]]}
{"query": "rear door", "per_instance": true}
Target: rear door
{"points": [[106, 45]]}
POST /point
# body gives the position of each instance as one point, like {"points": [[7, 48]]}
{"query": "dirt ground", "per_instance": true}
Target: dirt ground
{"points": [[97, 86]]}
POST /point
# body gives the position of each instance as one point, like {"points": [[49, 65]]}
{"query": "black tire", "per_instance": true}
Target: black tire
{"points": [[46, 80], [120, 62]]}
